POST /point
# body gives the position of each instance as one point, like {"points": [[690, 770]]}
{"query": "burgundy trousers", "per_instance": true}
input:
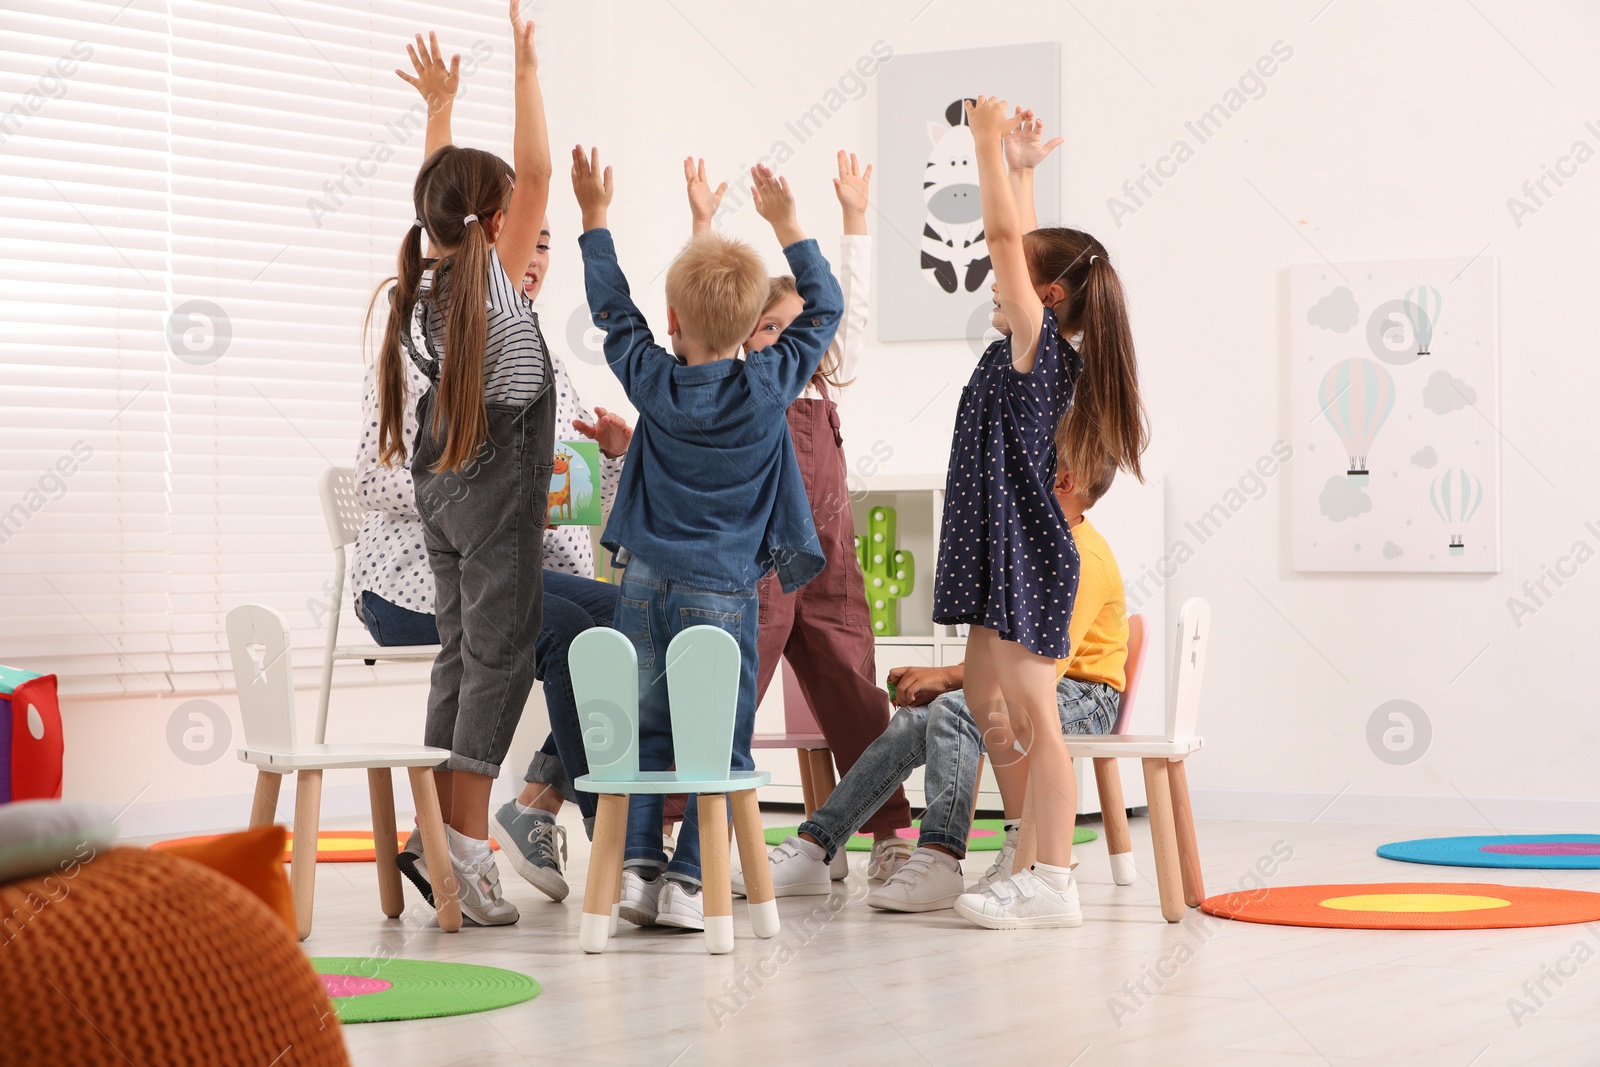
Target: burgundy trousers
{"points": [[823, 628]]}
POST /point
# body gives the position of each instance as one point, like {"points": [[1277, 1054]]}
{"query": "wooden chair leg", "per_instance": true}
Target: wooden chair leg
{"points": [[265, 808], [1194, 886], [753, 858], [601, 893], [303, 860], [808, 788], [716, 886], [1027, 837], [1169, 878], [822, 779], [380, 786], [1114, 815], [436, 849], [977, 784]]}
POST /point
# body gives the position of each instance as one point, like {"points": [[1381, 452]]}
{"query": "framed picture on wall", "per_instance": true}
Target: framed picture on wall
{"points": [[1395, 402], [933, 263]]}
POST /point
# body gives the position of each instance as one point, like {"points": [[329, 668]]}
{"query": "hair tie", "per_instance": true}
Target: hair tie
{"points": [[469, 219], [418, 223], [1092, 259]]}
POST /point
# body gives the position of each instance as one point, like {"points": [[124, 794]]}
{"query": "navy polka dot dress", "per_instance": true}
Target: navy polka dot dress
{"points": [[1006, 557]]}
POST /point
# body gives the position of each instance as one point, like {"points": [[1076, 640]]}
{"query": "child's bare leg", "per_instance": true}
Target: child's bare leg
{"points": [[1010, 766], [540, 795], [443, 784], [469, 805]]}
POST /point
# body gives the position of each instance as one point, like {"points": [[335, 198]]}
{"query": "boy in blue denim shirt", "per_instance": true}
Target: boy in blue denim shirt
{"points": [[711, 496]]}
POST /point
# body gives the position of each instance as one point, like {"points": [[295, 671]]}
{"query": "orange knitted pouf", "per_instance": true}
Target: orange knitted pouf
{"points": [[136, 957]]}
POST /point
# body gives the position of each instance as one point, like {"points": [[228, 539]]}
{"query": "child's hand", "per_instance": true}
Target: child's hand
{"points": [[988, 119], [609, 429], [775, 203], [915, 686], [851, 188], [436, 82], [703, 201], [1023, 150], [591, 186], [522, 37]]}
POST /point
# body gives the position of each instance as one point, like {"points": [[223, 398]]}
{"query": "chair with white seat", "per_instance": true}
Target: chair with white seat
{"points": [[343, 513], [1166, 778], [703, 666], [258, 641]]}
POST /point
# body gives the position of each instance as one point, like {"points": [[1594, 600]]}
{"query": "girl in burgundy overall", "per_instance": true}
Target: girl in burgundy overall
{"points": [[823, 628]]}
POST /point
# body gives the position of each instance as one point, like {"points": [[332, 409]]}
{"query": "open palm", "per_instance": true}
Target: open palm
{"points": [[435, 80], [1023, 148]]}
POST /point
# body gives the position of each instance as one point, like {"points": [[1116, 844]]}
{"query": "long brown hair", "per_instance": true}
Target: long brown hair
{"points": [[780, 286], [453, 184], [1107, 418]]}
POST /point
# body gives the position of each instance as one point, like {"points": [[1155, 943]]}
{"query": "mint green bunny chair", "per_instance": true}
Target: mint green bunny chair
{"points": [[703, 690]]}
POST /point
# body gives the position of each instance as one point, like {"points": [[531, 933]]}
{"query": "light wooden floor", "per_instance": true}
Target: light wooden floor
{"points": [[862, 986]]}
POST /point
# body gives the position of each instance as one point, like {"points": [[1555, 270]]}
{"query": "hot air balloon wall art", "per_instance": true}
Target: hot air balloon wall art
{"points": [[1393, 412]]}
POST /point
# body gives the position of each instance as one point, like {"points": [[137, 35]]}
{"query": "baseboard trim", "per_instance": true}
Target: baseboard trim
{"points": [[1486, 814]]}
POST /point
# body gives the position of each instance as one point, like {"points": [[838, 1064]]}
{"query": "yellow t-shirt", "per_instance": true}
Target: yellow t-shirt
{"points": [[1099, 627]]}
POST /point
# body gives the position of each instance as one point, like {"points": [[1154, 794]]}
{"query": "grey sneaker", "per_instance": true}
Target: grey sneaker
{"points": [[535, 845], [410, 863], [481, 901]]}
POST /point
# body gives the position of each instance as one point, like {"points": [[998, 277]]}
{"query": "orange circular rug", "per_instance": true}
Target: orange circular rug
{"points": [[1408, 906], [333, 846]]}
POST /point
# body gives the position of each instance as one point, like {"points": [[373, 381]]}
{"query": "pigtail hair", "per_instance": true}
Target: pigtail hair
{"points": [[1108, 416], [392, 387], [461, 407]]}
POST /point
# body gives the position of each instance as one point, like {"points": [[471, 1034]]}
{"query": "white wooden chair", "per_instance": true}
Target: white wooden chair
{"points": [[1166, 779], [343, 513], [258, 640]]}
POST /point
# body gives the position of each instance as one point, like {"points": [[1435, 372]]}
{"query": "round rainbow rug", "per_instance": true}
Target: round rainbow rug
{"points": [[333, 846], [1526, 851], [367, 990], [985, 835], [1408, 906]]}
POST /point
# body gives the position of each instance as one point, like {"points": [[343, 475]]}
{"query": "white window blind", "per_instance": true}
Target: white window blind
{"points": [[241, 171]]}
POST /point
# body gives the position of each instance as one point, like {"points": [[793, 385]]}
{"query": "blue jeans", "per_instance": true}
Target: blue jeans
{"points": [[652, 610], [571, 606], [942, 735], [390, 624]]}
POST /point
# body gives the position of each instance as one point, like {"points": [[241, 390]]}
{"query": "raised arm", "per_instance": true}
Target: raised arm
{"points": [[631, 351], [1002, 227], [703, 200], [789, 362], [519, 231], [1024, 152], [437, 82], [855, 265]]}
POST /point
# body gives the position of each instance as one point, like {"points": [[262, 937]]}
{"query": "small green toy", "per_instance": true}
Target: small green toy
{"points": [[890, 572]]}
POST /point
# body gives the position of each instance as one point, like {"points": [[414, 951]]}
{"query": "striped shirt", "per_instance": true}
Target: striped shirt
{"points": [[513, 358]]}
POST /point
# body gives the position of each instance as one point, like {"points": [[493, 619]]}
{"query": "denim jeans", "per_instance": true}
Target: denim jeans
{"points": [[390, 624], [944, 736], [571, 606], [651, 610]]}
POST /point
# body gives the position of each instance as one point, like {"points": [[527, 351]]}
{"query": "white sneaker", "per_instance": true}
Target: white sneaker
{"points": [[887, 858], [478, 885], [839, 866], [928, 881], [794, 874], [682, 906], [1001, 867], [640, 898], [1022, 902]]}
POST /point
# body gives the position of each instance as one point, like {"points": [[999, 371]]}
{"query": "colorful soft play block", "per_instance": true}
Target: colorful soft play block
{"points": [[30, 736], [575, 484]]}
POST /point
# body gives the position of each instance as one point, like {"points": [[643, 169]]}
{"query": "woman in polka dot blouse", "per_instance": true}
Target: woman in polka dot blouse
{"points": [[1008, 568]]}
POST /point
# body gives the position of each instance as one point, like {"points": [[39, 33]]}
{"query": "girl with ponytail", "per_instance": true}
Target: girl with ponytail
{"points": [[1008, 568], [484, 449]]}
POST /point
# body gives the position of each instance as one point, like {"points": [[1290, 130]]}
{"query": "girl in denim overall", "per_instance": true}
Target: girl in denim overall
{"points": [[823, 628], [482, 460]]}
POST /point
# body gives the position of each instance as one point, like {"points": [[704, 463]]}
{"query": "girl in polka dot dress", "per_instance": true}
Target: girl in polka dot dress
{"points": [[1008, 568]]}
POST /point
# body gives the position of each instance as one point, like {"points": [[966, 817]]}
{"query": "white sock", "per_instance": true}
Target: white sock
{"points": [[1013, 828], [538, 813], [1057, 878], [933, 855], [810, 849], [468, 851]]}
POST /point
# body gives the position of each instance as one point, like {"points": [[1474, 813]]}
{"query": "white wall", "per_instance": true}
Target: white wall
{"points": [[1392, 131]]}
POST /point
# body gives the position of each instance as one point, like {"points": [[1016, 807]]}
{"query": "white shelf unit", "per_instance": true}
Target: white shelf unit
{"points": [[1131, 519]]}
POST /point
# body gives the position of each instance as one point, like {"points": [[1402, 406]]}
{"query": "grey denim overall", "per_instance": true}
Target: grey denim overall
{"points": [[484, 530]]}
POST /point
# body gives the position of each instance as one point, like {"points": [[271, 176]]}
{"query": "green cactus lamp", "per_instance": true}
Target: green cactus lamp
{"points": [[890, 572]]}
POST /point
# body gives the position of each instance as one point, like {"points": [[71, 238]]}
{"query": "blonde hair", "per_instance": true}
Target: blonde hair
{"points": [[783, 285], [717, 287]]}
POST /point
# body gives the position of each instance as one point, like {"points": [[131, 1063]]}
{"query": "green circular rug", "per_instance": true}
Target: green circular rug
{"points": [[368, 990], [986, 835]]}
